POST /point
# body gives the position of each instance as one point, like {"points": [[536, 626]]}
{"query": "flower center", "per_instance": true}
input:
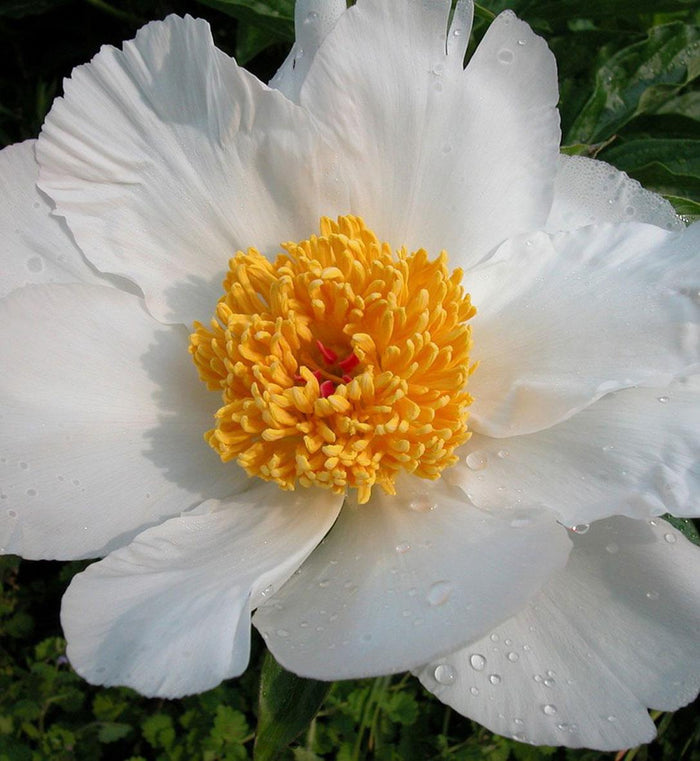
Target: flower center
{"points": [[340, 364]]}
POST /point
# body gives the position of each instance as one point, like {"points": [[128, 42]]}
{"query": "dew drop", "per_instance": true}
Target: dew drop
{"points": [[494, 637], [477, 661], [513, 657], [580, 528], [670, 538], [522, 42], [652, 595], [34, 264], [282, 633], [422, 504], [477, 460], [612, 718], [612, 548], [438, 69], [444, 674], [403, 547], [495, 678], [324, 583], [457, 33], [662, 399], [439, 593], [548, 683], [311, 16], [503, 453], [505, 56], [267, 591], [474, 691], [549, 709]]}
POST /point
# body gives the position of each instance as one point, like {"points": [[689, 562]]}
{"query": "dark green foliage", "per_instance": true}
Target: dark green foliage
{"points": [[628, 73]]}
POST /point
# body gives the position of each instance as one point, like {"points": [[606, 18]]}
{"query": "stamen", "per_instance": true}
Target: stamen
{"points": [[292, 411]]}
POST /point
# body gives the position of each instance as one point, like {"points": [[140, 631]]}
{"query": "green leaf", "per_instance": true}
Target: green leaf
{"points": [[685, 207], [230, 726], [111, 731], [556, 10], [159, 731], [677, 156], [685, 526], [401, 707], [668, 166], [287, 705], [251, 41], [638, 79], [687, 104], [21, 8], [276, 17]]}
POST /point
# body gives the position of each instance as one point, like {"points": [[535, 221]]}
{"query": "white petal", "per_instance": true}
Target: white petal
{"points": [[37, 248], [425, 578], [313, 20], [178, 617], [165, 158], [563, 320], [429, 149], [102, 423], [613, 634], [630, 453], [589, 192]]}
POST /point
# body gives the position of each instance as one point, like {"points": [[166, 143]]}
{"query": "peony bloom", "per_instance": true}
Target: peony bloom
{"points": [[392, 480]]}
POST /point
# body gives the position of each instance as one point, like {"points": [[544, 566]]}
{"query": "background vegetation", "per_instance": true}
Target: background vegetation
{"points": [[628, 77]]}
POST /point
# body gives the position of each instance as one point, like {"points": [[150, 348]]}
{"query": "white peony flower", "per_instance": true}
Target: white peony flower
{"points": [[522, 573]]}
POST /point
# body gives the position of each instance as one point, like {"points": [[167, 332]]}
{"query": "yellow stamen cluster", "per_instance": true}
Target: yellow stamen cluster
{"points": [[340, 364]]}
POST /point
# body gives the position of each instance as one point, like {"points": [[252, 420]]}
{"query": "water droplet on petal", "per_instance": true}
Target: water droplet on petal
{"points": [[503, 453], [494, 637], [477, 661], [513, 657], [522, 42], [580, 528], [311, 16], [403, 547], [474, 690], [548, 683], [444, 674], [505, 56], [652, 595], [549, 709], [663, 399], [439, 593], [612, 718], [422, 504], [282, 633], [267, 591], [670, 538], [457, 32], [612, 548], [477, 460], [495, 678]]}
